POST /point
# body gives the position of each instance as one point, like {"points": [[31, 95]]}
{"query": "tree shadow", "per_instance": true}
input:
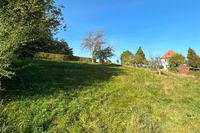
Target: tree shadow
{"points": [[43, 78]]}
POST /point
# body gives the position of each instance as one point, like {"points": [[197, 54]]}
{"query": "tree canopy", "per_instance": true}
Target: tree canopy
{"points": [[58, 47], [18, 26], [93, 42], [127, 58], [193, 58], [103, 54], [176, 60], [50, 20]]}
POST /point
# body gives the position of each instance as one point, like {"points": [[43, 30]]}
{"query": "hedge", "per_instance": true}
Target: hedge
{"points": [[61, 57]]}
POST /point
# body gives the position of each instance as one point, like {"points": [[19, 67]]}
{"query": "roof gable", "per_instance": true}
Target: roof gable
{"points": [[169, 54]]}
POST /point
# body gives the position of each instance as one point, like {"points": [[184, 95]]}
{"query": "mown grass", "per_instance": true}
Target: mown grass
{"points": [[53, 97]]}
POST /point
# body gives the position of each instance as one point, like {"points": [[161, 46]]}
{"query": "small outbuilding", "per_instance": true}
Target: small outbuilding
{"points": [[183, 69]]}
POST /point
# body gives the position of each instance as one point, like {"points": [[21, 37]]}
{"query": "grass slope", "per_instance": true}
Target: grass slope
{"points": [[71, 97]]}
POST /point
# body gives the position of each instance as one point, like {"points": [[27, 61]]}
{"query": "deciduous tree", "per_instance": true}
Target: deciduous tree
{"points": [[155, 64], [18, 27], [127, 58], [92, 42], [176, 60], [103, 54], [22, 23], [49, 20]]}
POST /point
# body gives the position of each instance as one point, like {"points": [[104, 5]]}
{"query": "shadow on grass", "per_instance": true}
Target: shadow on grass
{"points": [[44, 78]]}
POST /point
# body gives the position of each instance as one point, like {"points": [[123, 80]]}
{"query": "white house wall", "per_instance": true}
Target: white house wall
{"points": [[165, 64]]}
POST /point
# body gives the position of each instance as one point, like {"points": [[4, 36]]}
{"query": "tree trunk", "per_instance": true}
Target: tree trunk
{"points": [[93, 58], [102, 61], [159, 72]]}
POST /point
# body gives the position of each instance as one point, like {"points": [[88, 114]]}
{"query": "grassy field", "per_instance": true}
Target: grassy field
{"points": [[62, 97]]}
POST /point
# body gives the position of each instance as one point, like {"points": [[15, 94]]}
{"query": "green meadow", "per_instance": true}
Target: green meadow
{"points": [[69, 97]]}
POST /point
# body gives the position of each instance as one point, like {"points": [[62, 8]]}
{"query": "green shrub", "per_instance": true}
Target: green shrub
{"points": [[175, 61]]}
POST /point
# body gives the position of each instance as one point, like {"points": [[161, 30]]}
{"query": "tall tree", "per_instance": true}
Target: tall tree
{"points": [[193, 58], [140, 56], [127, 58], [93, 42]]}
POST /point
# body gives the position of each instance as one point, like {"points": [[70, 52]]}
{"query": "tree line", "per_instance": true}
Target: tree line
{"points": [[128, 58], [192, 60]]}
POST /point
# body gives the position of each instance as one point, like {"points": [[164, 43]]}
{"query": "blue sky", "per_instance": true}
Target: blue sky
{"points": [[155, 25]]}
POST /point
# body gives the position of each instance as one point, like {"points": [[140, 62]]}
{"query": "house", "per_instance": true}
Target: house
{"points": [[165, 59]]}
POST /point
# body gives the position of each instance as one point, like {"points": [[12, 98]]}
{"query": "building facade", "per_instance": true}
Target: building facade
{"points": [[165, 59]]}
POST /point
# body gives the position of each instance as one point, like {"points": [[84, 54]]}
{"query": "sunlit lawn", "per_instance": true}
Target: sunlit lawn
{"points": [[50, 96]]}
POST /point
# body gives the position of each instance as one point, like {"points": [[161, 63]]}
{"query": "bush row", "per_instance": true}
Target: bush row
{"points": [[61, 57]]}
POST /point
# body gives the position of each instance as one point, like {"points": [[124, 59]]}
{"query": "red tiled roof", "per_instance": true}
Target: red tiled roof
{"points": [[169, 54]]}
